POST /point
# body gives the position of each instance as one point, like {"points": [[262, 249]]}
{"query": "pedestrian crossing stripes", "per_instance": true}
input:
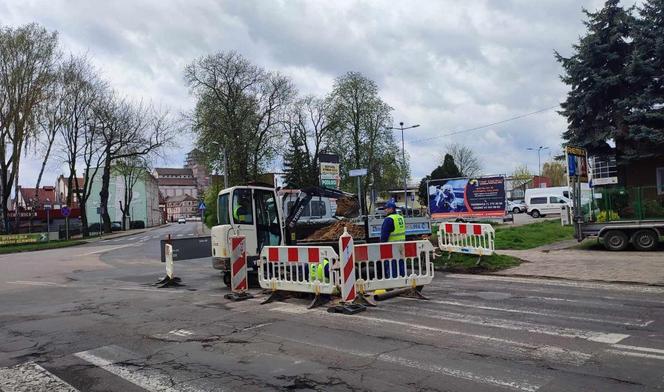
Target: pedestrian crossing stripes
{"points": [[29, 377]]}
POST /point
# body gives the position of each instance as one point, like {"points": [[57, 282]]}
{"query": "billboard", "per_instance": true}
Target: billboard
{"points": [[467, 197], [17, 239]]}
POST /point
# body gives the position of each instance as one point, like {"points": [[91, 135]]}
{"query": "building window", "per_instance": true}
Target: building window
{"points": [[660, 180]]}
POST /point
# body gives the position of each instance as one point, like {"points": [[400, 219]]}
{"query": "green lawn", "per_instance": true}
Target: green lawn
{"points": [[468, 263], [39, 246], [532, 235]]}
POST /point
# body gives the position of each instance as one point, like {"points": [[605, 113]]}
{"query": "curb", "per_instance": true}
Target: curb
{"points": [[97, 239]]}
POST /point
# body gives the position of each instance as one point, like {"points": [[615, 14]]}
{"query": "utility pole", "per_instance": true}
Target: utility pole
{"points": [[539, 160], [403, 157]]}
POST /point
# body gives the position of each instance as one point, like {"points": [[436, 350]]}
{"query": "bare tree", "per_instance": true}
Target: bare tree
{"points": [[132, 169], [27, 70], [465, 158], [308, 126], [240, 106], [127, 130]]}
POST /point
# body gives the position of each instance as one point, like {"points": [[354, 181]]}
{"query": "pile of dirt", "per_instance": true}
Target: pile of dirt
{"points": [[334, 231], [348, 207]]}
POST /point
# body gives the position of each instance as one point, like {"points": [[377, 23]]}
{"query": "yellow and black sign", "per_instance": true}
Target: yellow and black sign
{"points": [[16, 239]]}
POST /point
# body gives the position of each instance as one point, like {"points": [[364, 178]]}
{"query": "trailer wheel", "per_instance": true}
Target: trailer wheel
{"points": [[615, 240], [535, 214], [645, 240]]}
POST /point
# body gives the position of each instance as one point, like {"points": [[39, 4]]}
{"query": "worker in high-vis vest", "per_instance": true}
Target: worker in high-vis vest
{"points": [[241, 211], [320, 271], [393, 230]]}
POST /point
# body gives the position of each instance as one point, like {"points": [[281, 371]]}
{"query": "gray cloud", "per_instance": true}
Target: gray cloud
{"points": [[443, 64]]}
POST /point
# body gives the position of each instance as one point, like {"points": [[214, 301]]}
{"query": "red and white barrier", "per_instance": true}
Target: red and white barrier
{"points": [[239, 282], [286, 268], [470, 238], [347, 266], [394, 265]]}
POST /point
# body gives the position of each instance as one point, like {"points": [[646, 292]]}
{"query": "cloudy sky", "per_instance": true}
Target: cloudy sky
{"points": [[447, 65]]}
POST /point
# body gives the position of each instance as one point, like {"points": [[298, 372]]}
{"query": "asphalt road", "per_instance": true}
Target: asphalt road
{"points": [[87, 319]]}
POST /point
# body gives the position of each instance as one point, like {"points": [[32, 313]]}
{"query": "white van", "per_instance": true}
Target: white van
{"points": [[546, 201]]}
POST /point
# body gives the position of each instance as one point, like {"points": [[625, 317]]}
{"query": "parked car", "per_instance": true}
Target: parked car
{"points": [[116, 226], [516, 206], [182, 220], [545, 204]]}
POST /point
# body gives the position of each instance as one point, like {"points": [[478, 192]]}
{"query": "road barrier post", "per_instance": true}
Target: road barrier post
{"points": [[170, 280], [239, 282], [347, 267]]}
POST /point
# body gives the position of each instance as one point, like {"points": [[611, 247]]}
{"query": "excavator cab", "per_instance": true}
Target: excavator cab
{"points": [[250, 211]]}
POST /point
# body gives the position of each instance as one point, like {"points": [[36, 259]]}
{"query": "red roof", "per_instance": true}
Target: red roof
{"points": [[162, 181], [47, 192]]}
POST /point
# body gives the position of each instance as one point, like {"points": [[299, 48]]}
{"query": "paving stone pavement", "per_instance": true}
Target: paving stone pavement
{"points": [[589, 264]]}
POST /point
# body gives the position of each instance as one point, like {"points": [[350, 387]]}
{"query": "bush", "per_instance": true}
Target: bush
{"points": [[137, 225]]}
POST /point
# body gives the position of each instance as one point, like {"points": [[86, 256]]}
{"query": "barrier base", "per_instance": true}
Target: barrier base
{"points": [[348, 308], [169, 282], [276, 296], [319, 300], [238, 296], [409, 292], [364, 300]]}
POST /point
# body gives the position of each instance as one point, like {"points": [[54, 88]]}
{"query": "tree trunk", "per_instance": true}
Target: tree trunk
{"points": [[84, 219], [103, 194], [17, 218]]}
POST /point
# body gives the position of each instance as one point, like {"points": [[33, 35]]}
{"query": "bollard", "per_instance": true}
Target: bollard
{"points": [[239, 282], [170, 280]]}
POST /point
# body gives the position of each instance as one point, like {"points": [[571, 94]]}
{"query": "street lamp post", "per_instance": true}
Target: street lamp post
{"points": [[225, 162], [539, 161], [403, 157]]}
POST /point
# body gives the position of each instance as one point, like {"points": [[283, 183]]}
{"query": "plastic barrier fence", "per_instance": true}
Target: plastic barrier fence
{"points": [[299, 268], [393, 265], [470, 238]]}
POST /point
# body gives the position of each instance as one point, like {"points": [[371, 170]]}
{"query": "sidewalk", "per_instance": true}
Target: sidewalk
{"points": [[121, 234], [559, 261]]}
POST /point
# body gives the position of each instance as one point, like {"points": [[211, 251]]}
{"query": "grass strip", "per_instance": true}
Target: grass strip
{"points": [[39, 246]]}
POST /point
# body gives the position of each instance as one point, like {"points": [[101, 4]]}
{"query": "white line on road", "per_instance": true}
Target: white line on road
{"points": [[106, 249], [517, 385], [30, 376], [593, 336], [639, 323], [151, 380], [179, 235], [33, 283], [638, 348], [551, 353], [563, 283], [633, 354]]}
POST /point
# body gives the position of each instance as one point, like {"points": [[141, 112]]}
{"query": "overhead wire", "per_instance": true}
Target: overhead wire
{"points": [[486, 125]]}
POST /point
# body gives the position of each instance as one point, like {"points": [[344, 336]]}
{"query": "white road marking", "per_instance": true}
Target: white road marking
{"points": [[563, 283], [181, 332], [151, 380], [179, 235], [106, 249], [639, 323], [33, 283], [517, 385], [633, 354], [190, 234], [638, 348], [551, 353], [593, 336], [256, 326], [30, 376]]}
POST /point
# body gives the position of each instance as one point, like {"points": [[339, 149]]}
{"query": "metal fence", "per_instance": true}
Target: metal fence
{"points": [[618, 203]]}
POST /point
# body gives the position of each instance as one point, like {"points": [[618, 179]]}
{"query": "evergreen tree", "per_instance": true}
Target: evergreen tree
{"points": [[447, 170], [297, 168], [597, 75], [646, 76]]}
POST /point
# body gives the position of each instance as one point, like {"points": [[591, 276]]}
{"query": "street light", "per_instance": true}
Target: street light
{"points": [[223, 150], [403, 157], [539, 162]]}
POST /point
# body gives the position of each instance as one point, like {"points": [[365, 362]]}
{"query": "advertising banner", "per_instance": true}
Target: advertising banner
{"points": [[577, 163], [467, 197]]}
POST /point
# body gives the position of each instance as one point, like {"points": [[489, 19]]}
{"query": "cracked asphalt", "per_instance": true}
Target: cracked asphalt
{"points": [[87, 319]]}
